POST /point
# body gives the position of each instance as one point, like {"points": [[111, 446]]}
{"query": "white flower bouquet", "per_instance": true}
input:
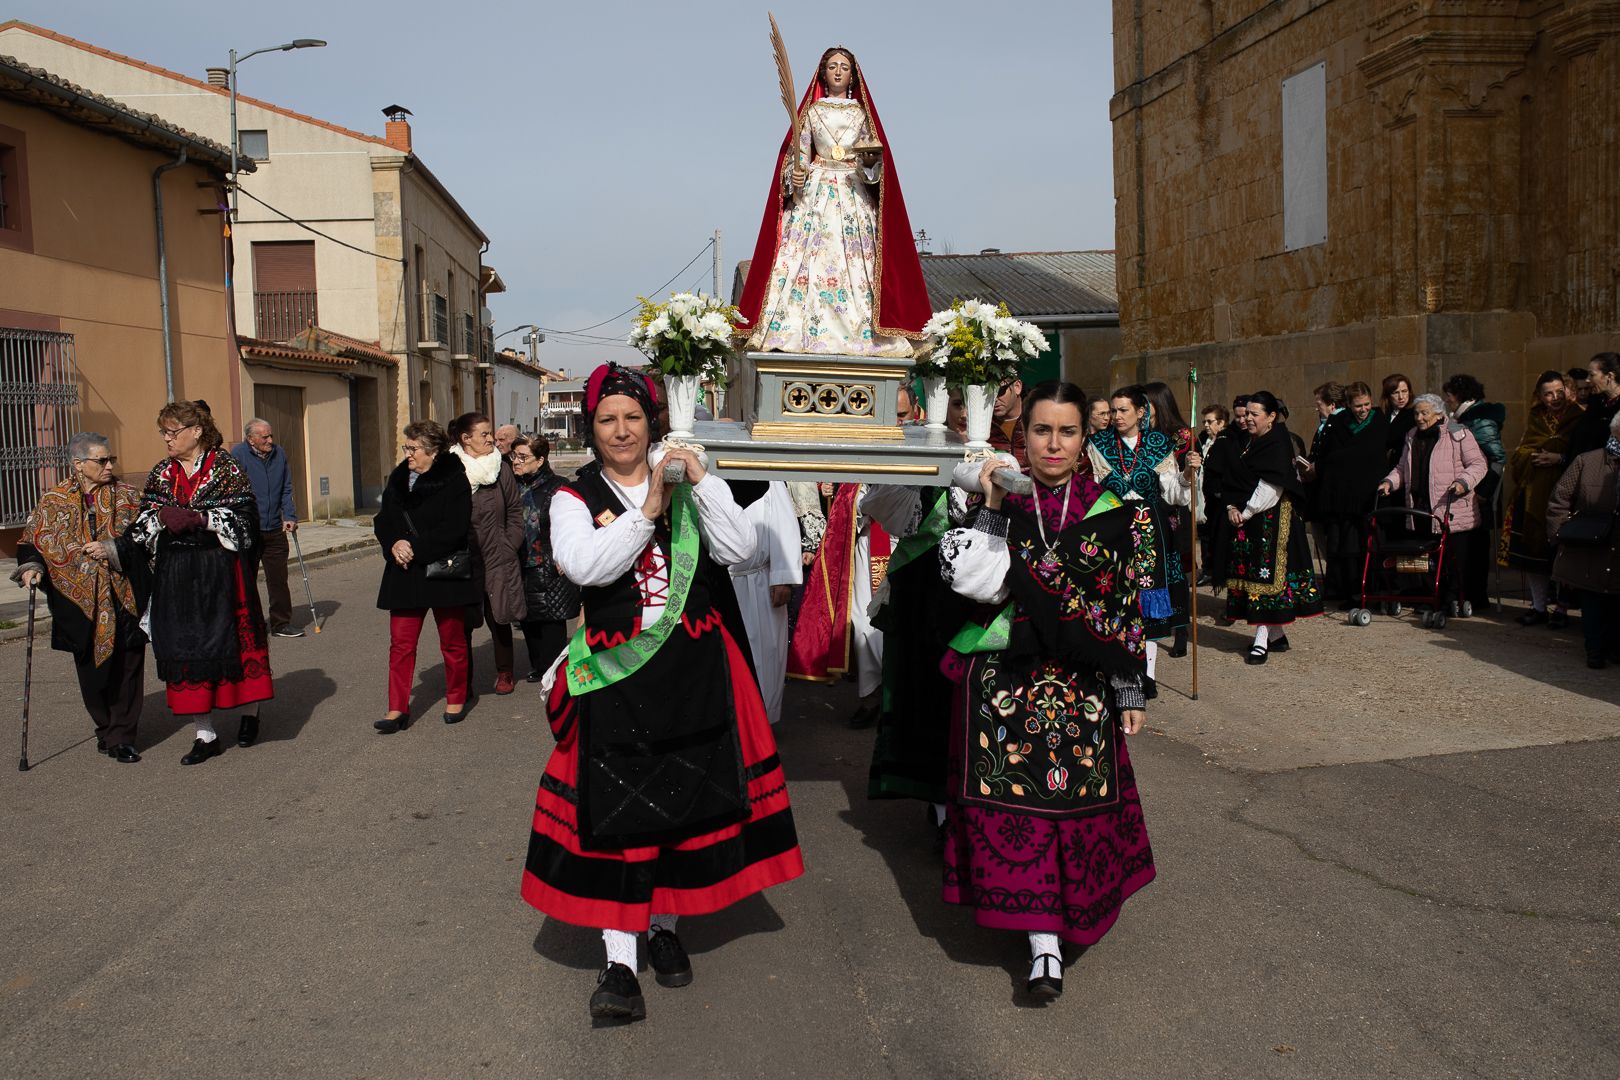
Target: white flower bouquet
{"points": [[978, 345], [689, 334]]}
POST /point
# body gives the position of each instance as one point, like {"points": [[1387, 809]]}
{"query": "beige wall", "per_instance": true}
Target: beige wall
{"points": [[1473, 205], [327, 437], [1088, 356], [94, 271]]}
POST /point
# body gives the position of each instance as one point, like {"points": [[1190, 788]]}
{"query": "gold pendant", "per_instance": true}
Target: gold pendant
{"points": [[838, 153]]}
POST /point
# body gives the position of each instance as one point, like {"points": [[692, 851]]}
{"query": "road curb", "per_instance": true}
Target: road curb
{"points": [[337, 553]]}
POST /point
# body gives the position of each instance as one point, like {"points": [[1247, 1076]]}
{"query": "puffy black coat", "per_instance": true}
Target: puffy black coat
{"points": [[440, 507]]}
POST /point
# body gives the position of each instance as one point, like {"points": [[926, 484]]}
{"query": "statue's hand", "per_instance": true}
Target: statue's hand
{"points": [[799, 176]]}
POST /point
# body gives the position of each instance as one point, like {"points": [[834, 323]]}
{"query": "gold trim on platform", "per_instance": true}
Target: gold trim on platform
{"points": [[829, 371], [811, 430], [828, 466]]}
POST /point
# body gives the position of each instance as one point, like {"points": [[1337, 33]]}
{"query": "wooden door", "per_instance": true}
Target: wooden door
{"points": [[283, 407]]}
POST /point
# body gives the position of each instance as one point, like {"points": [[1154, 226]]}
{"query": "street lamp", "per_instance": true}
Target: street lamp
{"points": [[296, 43]]}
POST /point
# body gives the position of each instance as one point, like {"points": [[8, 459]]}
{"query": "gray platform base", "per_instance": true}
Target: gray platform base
{"points": [[922, 457]]}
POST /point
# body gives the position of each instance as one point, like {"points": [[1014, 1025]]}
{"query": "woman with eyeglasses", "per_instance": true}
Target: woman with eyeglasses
{"points": [[424, 520], [67, 549], [198, 532], [551, 597]]}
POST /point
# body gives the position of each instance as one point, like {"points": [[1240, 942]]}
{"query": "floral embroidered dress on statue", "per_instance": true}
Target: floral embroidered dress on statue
{"points": [[1270, 578], [1145, 469], [200, 532], [1044, 829], [653, 801], [835, 268]]}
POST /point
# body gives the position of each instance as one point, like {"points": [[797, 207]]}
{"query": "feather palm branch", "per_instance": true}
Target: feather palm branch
{"points": [[784, 73]]}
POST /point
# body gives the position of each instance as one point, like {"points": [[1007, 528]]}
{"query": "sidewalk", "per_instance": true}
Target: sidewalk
{"points": [[318, 539]]}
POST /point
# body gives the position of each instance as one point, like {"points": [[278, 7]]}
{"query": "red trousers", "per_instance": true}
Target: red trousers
{"points": [[404, 629]]}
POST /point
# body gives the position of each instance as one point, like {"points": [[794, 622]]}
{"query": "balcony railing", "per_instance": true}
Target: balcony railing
{"points": [[279, 316]]}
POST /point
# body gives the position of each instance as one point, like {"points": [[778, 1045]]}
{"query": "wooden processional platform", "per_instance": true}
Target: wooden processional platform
{"points": [[817, 417]]}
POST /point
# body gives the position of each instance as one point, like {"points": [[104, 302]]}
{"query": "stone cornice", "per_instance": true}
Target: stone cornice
{"points": [[1584, 27], [1478, 48]]}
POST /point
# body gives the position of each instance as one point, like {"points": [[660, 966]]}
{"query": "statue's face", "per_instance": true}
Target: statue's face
{"points": [[837, 75]]}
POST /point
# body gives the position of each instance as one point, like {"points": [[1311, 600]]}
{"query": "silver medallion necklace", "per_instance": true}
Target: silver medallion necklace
{"points": [[1050, 560]]}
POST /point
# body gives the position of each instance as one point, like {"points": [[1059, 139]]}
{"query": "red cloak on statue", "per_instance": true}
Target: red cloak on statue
{"points": [[901, 305], [820, 646]]}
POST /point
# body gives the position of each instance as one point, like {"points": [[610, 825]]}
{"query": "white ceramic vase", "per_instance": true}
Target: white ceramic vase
{"points": [[682, 392], [936, 401], [981, 402]]}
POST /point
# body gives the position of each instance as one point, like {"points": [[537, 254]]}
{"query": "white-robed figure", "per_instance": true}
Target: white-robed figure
{"points": [[764, 581]]}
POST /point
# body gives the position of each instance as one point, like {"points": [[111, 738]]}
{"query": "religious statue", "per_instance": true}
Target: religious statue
{"points": [[835, 270]]}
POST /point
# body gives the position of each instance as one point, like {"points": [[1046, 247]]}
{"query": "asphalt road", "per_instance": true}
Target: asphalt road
{"points": [[1390, 852]]}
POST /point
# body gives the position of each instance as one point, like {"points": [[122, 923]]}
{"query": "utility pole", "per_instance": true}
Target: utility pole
{"points": [[718, 264]]}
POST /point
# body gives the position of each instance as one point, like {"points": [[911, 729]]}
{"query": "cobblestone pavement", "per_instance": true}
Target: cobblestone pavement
{"points": [[1390, 852]]}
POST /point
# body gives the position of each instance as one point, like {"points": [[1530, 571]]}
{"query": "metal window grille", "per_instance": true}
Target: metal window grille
{"points": [[39, 413], [469, 335]]}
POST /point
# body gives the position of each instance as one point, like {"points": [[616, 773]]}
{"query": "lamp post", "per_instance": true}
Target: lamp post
{"points": [[296, 43]]}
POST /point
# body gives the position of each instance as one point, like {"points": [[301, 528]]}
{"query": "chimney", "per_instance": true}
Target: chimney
{"points": [[219, 77], [989, 251], [398, 131]]}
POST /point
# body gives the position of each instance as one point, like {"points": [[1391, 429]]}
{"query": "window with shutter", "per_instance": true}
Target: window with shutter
{"points": [[284, 293]]}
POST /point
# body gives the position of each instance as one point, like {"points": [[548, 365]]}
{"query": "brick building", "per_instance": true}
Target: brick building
{"points": [[1346, 188]]}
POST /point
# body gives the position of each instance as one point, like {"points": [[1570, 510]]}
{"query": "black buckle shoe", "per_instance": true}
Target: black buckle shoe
{"points": [[123, 753], [1046, 984], [247, 731], [671, 966], [201, 751], [1257, 655], [617, 995]]}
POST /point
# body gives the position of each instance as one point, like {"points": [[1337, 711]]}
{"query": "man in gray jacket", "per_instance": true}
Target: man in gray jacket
{"points": [[266, 465]]}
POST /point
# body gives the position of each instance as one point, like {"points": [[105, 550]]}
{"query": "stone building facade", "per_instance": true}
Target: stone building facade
{"points": [[1340, 189]]}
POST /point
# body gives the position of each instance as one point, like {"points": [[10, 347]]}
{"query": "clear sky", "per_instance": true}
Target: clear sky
{"points": [[599, 144]]}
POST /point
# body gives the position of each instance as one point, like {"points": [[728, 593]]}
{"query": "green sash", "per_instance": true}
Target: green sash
{"points": [[974, 638], [589, 671], [926, 538]]}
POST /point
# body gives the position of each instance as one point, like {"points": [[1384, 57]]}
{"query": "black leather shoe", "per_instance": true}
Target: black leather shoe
{"points": [[1279, 644], [123, 753], [390, 724], [534, 676], [671, 966], [617, 995], [101, 746], [201, 751], [1257, 655], [1178, 645], [456, 717], [1049, 983], [247, 731]]}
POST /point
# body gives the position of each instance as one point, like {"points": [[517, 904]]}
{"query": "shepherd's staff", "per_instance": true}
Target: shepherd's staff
{"points": [[28, 682], [1192, 591], [784, 74]]}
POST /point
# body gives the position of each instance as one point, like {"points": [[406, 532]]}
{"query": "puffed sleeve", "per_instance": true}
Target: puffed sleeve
{"points": [[729, 532], [1265, 496], [592, 556], [895, 507], [974, 561]]}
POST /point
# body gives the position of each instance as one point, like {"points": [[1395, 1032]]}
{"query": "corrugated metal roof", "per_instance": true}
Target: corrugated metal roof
{"points": [[1031, 283]]}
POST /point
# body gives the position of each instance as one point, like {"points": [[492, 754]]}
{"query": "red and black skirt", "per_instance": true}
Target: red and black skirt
{"points": [[582, 871]]}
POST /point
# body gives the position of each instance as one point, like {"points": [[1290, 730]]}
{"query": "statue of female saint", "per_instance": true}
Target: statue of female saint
{"points": [[835, 269]]}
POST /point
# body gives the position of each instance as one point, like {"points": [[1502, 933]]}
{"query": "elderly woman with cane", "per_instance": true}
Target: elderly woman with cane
{"points": [[66, 549]]}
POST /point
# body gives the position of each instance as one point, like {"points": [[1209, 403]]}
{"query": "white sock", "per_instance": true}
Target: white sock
{"points": [[205, 728], [1262, 635], [1152, 657], [939, 813], [621, 947], [663, 922], [1540, 587], [1045, 945]]}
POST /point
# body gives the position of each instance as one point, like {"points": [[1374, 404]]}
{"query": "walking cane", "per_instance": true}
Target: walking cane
{"points": [[314, 619], [28, 682], [1192, 591]]}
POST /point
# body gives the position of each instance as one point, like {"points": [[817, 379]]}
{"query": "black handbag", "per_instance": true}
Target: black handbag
{"points": [[1587, 530], [456, 566]]}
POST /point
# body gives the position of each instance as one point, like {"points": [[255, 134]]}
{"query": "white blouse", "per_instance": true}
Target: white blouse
{"points": [[592, 556]]}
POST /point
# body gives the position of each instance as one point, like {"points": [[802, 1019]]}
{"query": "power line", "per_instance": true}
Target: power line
{"points": [[637, 306], [317, 232]]}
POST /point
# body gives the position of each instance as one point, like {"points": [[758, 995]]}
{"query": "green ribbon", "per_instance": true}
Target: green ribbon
{"points": [[927, 536], [995, 636], [589, 671]]}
